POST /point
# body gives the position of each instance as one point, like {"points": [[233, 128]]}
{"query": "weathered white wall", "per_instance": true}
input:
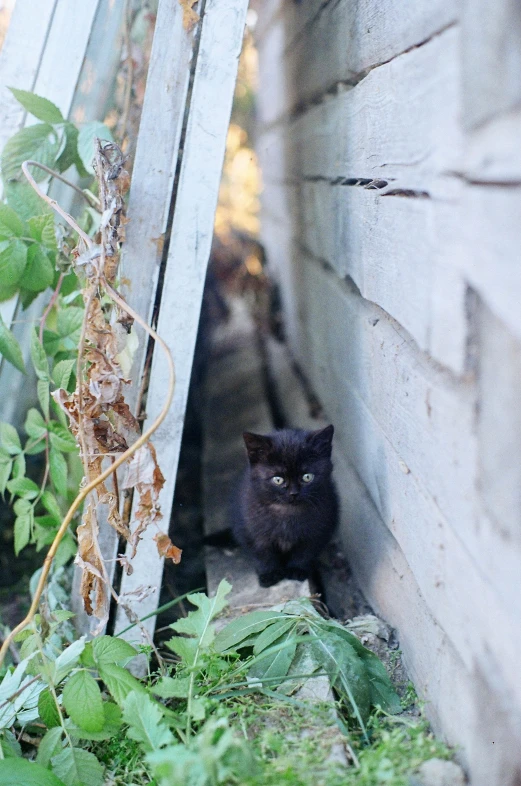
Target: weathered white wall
{"points": [[389, 138]]}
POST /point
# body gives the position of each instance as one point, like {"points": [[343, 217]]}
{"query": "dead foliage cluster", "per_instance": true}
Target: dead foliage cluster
{"points": [[98, 414]]}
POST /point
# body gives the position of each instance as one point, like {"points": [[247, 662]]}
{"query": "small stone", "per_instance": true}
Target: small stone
{"points": [[438, 772]]}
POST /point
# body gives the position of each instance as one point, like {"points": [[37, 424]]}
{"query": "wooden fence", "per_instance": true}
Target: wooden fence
{"points": [[74, 49], [389, 143]]}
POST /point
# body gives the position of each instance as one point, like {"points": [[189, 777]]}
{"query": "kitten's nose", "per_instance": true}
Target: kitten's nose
{"points": [[293, 493]]}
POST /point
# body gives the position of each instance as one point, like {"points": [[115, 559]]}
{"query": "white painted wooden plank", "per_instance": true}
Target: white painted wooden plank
{"points": [[491, 57], [399, 124], [348, 38], [272, 92], [210, 107], [409, 433], [154, 165], [277, 240], [499, 428], [70, 32], [465, 706], [488, 251], [398, 251], [19, 62], [267, 12], [493, 153], [149, 198], [55, 77], [19, 65]]}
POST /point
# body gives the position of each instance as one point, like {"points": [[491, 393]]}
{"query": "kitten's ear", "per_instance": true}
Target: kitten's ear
{"points": [[321, 440], [257, 446]]}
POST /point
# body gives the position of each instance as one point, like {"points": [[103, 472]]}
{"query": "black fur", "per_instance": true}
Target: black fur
{"points": [[284, 527]]}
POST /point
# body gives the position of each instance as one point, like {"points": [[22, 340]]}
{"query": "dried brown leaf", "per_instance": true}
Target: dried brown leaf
{"points": [[89, 559], [190, 17], [166, 548]]}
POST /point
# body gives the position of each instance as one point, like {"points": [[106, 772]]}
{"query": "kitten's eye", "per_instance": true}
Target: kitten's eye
{"points": [[277, 480], [308, 477]]}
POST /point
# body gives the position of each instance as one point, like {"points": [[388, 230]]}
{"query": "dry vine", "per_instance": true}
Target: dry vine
{"points": [[99, 417]]}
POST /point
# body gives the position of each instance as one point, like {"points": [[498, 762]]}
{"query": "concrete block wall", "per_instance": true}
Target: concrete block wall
{"points": [[388, 136]]}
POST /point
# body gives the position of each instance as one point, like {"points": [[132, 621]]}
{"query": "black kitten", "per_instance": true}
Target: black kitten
{"points": [[287, 504]]}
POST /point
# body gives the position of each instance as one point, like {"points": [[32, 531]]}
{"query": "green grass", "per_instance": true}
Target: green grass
{"points": [[298, 745]]}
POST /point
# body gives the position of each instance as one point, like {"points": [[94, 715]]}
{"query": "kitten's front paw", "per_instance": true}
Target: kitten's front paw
{"points": [[297, 574], [270, 578]]}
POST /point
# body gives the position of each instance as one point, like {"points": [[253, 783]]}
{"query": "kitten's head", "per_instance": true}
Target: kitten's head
{"points": [[289, 466]]}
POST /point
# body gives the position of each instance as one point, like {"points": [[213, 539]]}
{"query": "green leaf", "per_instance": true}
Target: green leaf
{"points": [[50, 745], [22, 532], [110, 728], [86, 137], [10, 438], [24, 200], [35, 425], [61, 438], [5, 473], [10, 348], [198, 623], [39, 358], [51, 506], [39, 270], [13, 258], [243, 627], [22, 507], [19, 466], [69, 154], [39, 143], [65, 551], [270, 634], [9, 745], [41, 108], [10, 223], [276, 665], [82, 700], [20, 772], [68, 659], [41, 228], [58, 471], [43, 393], [146, 722], [47, 709], [119, 682], [61, 373], [23, 487], [77, 767], [172, 688], [69, 323], [345, 670], [382, 691], [108, 649]]}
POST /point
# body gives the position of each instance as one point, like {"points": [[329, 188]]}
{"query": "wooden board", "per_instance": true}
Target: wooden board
{"points": [[409, 431], [491, 58], [192, 229], [462, 704], [400, 124], [398, 251], [150, 197], [344, 41], [32, 59]]}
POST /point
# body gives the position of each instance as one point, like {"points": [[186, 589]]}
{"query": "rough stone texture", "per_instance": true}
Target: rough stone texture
{"points": [[437, 772]]}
